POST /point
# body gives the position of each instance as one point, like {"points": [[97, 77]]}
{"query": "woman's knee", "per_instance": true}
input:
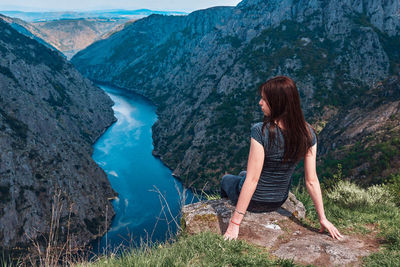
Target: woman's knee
{"points": [[223, 181], [224, 185], [226, 178], [227, 181], [243, 173]]}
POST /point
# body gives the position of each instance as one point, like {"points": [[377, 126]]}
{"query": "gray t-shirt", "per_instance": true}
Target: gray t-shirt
{"points": [[276, 176]]}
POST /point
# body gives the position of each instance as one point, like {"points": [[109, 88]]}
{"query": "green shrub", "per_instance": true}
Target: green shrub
{"points": [[393, 185], [379, 194], [330, 183], [350, 195]]}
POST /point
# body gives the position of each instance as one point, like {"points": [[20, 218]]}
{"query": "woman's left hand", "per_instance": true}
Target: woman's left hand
{"points": [[325, 224], [232, 232]]}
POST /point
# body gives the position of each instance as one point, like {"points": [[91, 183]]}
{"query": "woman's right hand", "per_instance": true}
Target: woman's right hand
{"points": [[232, 232], [325, 224]]}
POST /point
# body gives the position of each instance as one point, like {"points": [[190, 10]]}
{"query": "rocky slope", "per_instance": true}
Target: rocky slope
{"points": [[72, 35], [203, 70], [365, 137], [67, 35], [27, 29], [49, 118]]}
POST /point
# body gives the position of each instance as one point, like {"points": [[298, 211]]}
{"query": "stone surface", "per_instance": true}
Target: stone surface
{"points": [[281, 232]]}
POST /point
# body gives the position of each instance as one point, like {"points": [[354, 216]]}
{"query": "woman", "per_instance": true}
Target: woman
{"points": [[277, 145]]}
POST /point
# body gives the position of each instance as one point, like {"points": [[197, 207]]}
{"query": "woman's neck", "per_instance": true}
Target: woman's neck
{"points": [[280, 124]]}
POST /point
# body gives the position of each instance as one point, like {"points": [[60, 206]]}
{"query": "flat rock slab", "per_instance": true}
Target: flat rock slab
{"points": [[281, 232]]}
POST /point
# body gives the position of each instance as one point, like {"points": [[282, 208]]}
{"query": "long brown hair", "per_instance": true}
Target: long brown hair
{"points": [[282, 97]]}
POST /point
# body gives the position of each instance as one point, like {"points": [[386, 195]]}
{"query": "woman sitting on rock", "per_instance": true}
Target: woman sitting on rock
{"points": [[277, 145]]}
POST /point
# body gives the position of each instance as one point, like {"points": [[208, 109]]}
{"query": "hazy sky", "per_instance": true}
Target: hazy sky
{"points": [[167, 5]]}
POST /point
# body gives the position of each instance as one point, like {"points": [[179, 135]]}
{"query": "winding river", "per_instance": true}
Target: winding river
{"points": [[149, 196]]}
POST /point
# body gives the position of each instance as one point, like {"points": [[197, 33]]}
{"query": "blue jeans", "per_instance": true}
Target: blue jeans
{"points": [[231, 185]]}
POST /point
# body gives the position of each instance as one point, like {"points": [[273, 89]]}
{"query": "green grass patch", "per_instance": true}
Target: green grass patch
{"points": [[205, 249], [386, 258]]}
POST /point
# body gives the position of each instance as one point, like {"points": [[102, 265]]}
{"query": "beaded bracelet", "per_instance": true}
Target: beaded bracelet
{"points": [[242, 213], [238, 224]]}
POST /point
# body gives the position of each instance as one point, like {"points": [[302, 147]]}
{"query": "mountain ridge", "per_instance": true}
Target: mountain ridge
{"points": [[57, 15], [204, 73]]}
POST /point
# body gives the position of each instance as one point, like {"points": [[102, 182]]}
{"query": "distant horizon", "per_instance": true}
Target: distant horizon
{"points": [[89, 11], [40, 16], [103, 5]]}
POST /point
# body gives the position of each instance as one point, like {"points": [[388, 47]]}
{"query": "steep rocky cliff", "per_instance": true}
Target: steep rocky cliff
{"points": [[67, 35], [49, 118], [365, 137], [72, 35], [27, 29], [203, 70]]}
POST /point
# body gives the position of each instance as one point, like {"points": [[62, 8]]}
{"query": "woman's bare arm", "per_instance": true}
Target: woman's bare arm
{"points": [[254, 167], [314, 189]]}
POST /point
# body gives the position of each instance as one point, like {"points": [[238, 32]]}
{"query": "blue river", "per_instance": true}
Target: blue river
{"points": [[148, 206]]}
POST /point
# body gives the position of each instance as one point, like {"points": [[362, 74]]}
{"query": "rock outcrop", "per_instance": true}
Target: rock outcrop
{"points": [[203, 70], [50, 116], [281, 232]]}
